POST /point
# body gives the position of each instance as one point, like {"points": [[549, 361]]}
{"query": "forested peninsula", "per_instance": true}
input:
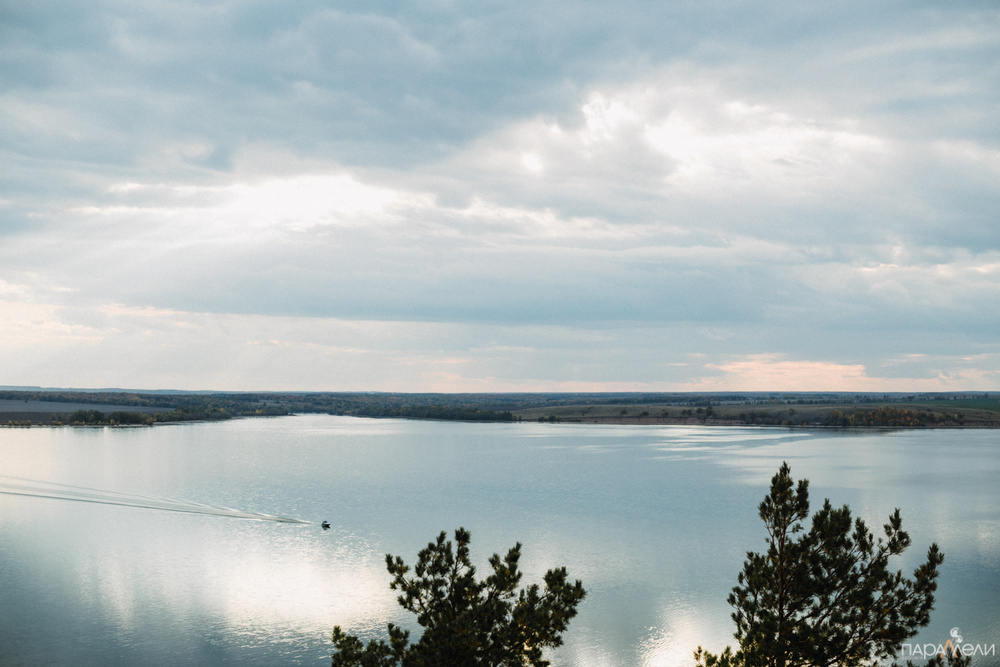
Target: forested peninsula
{"points": [[74, 407]]}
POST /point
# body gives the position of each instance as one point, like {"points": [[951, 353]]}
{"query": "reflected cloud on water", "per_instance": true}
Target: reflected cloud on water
{"points": [[655, 520]]}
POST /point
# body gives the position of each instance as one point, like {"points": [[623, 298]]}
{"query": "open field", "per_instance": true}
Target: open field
{"points": [[57, 407], [25, 412], [49, 407]]}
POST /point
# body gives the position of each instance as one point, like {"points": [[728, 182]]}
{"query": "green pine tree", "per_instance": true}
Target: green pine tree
{"points": [[466, 621], [824, 596]]}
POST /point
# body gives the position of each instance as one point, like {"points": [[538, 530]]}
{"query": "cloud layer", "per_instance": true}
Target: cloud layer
{"points": [[568, 196]]}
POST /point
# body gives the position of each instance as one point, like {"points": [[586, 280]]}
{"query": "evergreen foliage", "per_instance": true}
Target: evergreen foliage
{"points": [[825, 596], [466, 621]]}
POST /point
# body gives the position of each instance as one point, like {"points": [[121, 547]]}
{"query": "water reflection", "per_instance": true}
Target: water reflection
{"points": [[655, 520]]}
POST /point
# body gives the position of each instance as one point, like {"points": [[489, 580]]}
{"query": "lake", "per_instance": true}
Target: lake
{"points": [[126, 552]]}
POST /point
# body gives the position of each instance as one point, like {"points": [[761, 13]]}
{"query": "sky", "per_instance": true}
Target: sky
{"points": [[500, 196]]}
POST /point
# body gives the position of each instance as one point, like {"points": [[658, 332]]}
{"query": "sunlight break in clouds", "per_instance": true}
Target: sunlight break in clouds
{"points": [[514, 198], [297, 202]]}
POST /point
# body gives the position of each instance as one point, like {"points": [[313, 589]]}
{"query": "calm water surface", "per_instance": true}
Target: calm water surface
{"points": [[655, 521]]}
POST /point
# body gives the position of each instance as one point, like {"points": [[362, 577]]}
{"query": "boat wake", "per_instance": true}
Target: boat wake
{"points": [[15, 486]]}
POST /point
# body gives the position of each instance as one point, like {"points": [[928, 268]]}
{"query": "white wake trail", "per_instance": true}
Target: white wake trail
{"points": [[15, 486]]}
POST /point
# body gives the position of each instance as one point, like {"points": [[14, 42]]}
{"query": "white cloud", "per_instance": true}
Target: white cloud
{"points": [[765, 151], [771, 372], [499, 198]]}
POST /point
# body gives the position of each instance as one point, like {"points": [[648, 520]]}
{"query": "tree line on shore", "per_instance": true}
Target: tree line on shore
{"points": [[155, 407]]}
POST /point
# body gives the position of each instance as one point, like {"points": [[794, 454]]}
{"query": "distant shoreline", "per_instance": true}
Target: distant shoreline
{"points": [[792, 409]]}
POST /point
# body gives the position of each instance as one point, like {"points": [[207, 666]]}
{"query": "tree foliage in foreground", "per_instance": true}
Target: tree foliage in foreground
{"points": [[466, 621], [824, 596]]}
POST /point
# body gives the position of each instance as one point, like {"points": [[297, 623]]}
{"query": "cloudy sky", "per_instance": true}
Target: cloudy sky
{"points": [[500, 196]]}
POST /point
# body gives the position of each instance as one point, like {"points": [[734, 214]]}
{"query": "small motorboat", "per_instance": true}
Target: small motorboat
{"points": [[326, 525]]}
